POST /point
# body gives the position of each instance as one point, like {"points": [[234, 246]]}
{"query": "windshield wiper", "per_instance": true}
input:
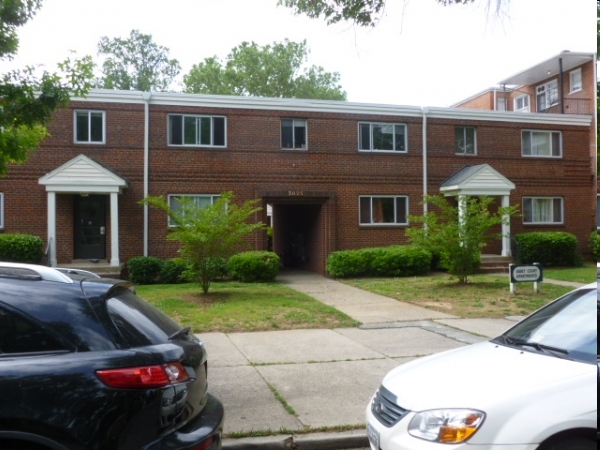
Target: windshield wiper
{"points": [[179, 333], [536, 345]]}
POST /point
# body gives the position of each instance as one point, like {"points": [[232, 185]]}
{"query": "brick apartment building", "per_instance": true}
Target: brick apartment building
{"points": [[330, 175]]}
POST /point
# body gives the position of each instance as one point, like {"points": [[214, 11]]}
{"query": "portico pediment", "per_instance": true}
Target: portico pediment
{"points": [[84, 175], [482, 179]]}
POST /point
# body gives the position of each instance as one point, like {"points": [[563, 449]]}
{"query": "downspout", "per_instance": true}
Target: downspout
{"points": [[425, 111], [560, 84], [146, 96]]}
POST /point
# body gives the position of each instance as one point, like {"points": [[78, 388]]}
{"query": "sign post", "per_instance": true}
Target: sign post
{"points": [[521, 273]]}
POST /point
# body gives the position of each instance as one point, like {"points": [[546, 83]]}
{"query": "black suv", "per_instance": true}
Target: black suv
{"points": [[86, 364]]}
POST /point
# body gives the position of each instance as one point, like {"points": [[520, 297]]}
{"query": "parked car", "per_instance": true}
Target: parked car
{"points": [[532, 388], [85, 364]]}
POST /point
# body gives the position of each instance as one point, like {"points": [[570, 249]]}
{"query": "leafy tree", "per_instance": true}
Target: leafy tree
{"points": [[136, 63], [210, 232], [361, 12], [268, 71], [458, 238], [27, 99]]}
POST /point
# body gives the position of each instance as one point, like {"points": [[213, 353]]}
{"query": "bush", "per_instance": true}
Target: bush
{"points": [[393, 261], [549, 248], [595, 244], [254, 266], [23, 248], [174, 271], [145, 269]]}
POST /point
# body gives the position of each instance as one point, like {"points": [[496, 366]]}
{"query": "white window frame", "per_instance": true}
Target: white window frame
{"points": [[575, 81], [382, 124], [524, 100], [197, 126], [532, 220], [464, 133], [551, 149], [1, 209], [372, 222], [89, 131], [213, 198], [296, 123], [549, 91]]}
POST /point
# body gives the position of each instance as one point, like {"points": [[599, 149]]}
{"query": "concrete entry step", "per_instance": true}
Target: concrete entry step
{"points": [[101, 267]]}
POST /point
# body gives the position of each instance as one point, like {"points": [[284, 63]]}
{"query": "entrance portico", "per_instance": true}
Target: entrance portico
{"points": [[481, 180]]}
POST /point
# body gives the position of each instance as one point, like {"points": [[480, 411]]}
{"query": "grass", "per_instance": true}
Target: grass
{"points": [[238, 307], [233, 306]]}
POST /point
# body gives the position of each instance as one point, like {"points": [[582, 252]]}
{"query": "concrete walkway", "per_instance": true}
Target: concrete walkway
{"points": [[294, 380]]}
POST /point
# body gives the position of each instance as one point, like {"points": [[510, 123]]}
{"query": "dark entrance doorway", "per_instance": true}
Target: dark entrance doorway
{"points": [[90, 227]]}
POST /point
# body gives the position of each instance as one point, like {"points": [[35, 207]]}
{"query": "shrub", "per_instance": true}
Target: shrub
{"points": [[595, 244], [254, 266], [549, 248], [145, 269], [393, 261], [23, 248], [173, 271]]}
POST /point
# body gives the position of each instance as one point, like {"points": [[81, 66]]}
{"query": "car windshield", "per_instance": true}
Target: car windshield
{"points": [[566, 328]]}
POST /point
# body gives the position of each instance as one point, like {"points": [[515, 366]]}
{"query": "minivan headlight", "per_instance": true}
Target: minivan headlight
{"points": [[449, 426]]}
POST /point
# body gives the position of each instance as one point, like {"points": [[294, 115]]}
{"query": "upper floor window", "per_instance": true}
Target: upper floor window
{"points": [[205, 131], [575, 81], [388, 137], [89, 127], [293, 133], [465, 140], [521, 103], [547, 95], [200, 201], [383, 210], [542, 210], [541, 143]]}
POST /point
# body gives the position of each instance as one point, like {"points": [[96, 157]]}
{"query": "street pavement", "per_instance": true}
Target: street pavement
{"points": [[291, 381]]}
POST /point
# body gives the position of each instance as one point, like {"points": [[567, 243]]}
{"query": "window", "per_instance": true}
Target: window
{"points": [[547, 95], [465, 140], [383, 210], [575, 82], [521, 103], [198, 200], [541, 210], [382, 137], [293, 133], [18, 335], [205, 131], [541, 143], [89, 127]]}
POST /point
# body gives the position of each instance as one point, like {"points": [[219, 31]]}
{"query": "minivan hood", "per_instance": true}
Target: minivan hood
{"points": [[477, 376]]}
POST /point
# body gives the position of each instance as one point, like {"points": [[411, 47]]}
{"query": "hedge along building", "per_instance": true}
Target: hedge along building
{"points": [[332, 175]]}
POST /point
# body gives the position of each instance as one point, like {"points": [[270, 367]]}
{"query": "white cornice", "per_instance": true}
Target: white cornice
{"points": [[327, 106]]}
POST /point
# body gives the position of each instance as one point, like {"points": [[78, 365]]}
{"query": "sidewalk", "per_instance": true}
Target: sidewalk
{"points": [[292, 380]]}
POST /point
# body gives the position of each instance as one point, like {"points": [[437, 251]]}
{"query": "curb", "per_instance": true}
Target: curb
{"points": [[353, 439]]}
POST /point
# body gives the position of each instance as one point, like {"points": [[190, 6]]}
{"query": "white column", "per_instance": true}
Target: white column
{"points": [[506, 228], [52, 228], [114, 229]]}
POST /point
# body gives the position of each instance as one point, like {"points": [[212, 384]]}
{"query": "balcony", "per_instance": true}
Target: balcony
{"points": [[580, 106]]}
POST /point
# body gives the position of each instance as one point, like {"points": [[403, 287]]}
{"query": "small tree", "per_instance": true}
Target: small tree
{"points": [[209, 232], [458, 233]]}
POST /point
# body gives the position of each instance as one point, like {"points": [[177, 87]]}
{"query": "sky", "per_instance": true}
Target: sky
{"points": [[420, 53]]}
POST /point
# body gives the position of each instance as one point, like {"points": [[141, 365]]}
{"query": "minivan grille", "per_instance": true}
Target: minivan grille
{"points": [[385, 407]]}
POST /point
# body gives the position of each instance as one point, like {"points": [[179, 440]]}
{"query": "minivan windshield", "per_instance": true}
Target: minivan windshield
{"points": [[566, 328]]}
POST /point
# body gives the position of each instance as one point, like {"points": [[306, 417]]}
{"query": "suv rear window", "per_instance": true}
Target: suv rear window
{"points": [[139, 322], [18, 335]]}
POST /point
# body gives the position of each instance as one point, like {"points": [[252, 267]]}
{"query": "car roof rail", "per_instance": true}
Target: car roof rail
{"points": [[32, 271]]}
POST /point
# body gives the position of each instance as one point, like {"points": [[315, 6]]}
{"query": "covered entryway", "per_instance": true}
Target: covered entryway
{"points": [[91, 186], [303, 227], [481, 180]]}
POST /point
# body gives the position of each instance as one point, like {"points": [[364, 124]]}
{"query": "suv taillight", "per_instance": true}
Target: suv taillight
{"points": [[144, 377]]}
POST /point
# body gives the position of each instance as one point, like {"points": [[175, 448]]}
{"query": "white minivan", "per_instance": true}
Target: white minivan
{"points": [[532, 388]]}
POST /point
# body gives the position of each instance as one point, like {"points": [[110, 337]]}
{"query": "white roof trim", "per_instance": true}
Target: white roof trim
{"points": [[327, 106], [82, 174], [483, 180]]}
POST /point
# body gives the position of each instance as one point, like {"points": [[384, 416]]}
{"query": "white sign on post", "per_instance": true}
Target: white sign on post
{"points": [[522, 273]]}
